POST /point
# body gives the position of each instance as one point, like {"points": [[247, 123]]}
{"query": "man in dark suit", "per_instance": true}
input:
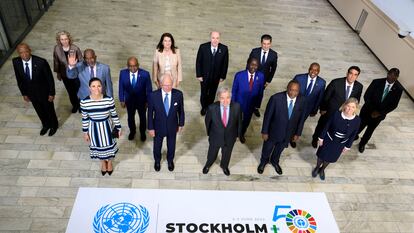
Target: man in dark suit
{"points": [[165, 119], [337, 92], [224, 124], [381, 98], [312, 88], [283, 121], [211, 69], [134, 89], [35, 80], [247, 90], [268, 63]]}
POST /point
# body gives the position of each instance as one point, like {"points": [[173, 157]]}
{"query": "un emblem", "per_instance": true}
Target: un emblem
{"points": [[121, 218]]}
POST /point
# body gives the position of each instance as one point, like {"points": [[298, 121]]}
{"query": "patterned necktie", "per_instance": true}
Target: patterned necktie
{"points": [[134, 80], [348, 89], [387, 89], [166, 105], [263, 58], [290, 108], [251, 82], [27, 71], [224, 117], [214, 52], [309, 88], [92, 73]]}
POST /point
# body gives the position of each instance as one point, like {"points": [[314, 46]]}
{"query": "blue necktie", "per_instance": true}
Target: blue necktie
{"points": [[348, 89], [166, 106], [309, 88], [134, 80], [92, 74], [263, 58], [290, 108], [27, 71]]}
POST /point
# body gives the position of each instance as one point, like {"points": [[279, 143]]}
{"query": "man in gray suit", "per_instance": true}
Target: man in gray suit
{"points": [[87, 69]]}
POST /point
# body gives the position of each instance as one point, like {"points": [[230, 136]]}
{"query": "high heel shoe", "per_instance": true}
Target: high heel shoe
{"points": [[104, 172], [110, 172]]}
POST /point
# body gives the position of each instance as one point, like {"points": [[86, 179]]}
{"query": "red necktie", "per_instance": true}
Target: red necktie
{"points": [[251, 82], [224, 117]]}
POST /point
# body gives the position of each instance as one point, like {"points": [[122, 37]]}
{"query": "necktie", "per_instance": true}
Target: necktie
{"points": [[263, 58], [224, 117], [387, 89], [290, 108], [251, 82], [309, 88], [92, 73], [27, 71], [348, 89], [134, 80], [214, 52], [166, 105]]}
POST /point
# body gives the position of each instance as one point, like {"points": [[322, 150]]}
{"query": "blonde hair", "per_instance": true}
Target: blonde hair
{"points": [[350, 101], [61, 33]]}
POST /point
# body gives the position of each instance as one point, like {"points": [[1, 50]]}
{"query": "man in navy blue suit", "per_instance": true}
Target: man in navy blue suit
{"points": [[312, 88], [165, 119], [283, 121], [247, 90], [134, 89], [267, 58]]}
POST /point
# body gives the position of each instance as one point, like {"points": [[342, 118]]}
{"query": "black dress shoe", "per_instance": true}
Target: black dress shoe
{"points": [[203, 112], [143, 137], [131, 136], [278, 169], [256, 112], [43, 131], [322, 175], [292, 144], [206, 169], [361, 148], [157, 166], [314, 143], [242, 139], [315, 172], [260, 168], [103, 172], [110, 172], [171, 166], [52, 131], [74, 109], [226, 171]]}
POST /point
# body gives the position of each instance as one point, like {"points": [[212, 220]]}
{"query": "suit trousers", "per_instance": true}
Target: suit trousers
{"points": [[208, 92], [213, 150], [171, 139], [371, 124], [272, 150], [323, 119], [247, 117], [72, 87], [45, 110], [132, 108]]}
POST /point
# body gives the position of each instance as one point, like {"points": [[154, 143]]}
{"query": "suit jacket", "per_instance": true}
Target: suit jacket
{"points": [[138, 94], [269, 67], [334, 95], [158, 66], [157, 118], [276, 122], [42, 83], [60, 63], [314, 99], [218, 134], [83, 72], [212, 68], [248, 100], [373, 97]]}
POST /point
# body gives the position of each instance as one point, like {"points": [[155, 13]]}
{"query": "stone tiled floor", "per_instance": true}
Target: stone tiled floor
{"points": [[39, 176]]}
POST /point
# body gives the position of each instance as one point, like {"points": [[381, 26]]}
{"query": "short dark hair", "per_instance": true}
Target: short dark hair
{"points": [[354, 68], [250, 59], [160, 46], [394, 71], [266, 37], [292, 82], [93, 80]]}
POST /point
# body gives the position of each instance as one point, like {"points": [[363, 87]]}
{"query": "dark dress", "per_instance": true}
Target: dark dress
{"points": [[337, 134]]}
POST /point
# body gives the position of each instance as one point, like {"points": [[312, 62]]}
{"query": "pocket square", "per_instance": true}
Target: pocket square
{"points": [[175, 104]]}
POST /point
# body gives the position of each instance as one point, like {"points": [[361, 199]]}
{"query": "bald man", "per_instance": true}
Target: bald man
{"points": [[134, 89]]}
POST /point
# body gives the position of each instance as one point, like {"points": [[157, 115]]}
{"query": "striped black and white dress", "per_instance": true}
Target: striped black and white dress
{"points": [[97, 119]]}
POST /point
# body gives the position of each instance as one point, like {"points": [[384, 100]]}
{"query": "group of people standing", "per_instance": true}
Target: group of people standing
{"points": [[161, 111]]}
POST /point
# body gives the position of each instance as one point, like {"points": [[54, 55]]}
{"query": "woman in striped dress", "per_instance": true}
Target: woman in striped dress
{"points": [[98, 114]]}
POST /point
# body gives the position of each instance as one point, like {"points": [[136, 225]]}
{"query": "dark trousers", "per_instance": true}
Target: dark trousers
{"points": [[170, 147], [208, 92], [225, 154], [72, 87], [247, 117], [271, 151], [45, 110], [132, 108], [323, 119], [259, 101], [371, 124]]}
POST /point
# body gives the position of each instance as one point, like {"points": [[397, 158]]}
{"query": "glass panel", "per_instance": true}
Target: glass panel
{"points": [[15, 19], [4, 45], [33, 9]]}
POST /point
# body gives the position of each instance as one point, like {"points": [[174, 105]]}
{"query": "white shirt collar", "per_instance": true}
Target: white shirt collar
{"points": [[347, 118], [289, 99]]}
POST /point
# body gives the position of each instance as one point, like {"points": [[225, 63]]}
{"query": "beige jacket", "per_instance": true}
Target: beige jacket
{"points": [[158, 67]]}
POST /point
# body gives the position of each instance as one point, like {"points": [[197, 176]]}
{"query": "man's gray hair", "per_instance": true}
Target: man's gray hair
{"points": [[165, 76], [222, 90]]}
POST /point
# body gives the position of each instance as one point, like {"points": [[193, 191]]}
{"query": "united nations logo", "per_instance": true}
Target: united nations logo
{"points": [[121, 218]]}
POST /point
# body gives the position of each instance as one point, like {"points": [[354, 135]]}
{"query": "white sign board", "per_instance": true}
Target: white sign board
{"points": [[104, 210]]}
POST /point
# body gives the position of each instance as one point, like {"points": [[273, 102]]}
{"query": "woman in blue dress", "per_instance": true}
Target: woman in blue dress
{"points": [[337, 136], [98, 115]]}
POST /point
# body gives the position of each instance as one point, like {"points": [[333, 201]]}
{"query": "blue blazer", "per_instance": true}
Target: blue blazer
{"points": [[276, 122], [240, 90], [315, 97], [138, 94], [157, 118]]}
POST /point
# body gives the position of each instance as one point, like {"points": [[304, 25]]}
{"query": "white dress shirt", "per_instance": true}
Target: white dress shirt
{"points": [[30, 66]]}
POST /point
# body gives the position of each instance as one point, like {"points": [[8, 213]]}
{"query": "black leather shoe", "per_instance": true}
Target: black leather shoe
{"points": [[171, 166], [203, 112], [206, 169], [278, 169], [52, 131], [43, 131], [361, 148], [143, 137], [74, 109], [315, 172], [157, 166], [322, 175], [314, 143], [292, 144], [226, 171], [256, 112], [103, 172], [260, 168], [110, 172], [131, 136], [242, 139]]}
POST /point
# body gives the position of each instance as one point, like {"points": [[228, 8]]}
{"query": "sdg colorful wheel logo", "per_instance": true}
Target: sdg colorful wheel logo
{"points": [[121, 218], [297, 221]]}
